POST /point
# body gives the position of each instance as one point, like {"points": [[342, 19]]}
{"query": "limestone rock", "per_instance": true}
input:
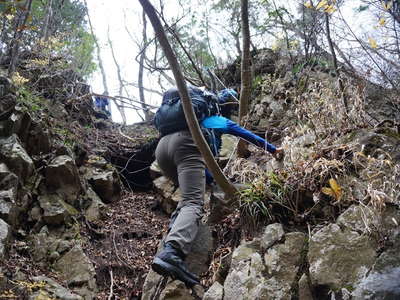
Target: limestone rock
{"points": [[62, 177], [379, 286], [228, 145], [8, 208], [51, 290], [166, 188], [299, 147], [93, 212], [197, 261], [8, 195], [358, 218], [19, 123], [48, 242], [383, 280], [150, 285], [5, 234], [245, 276], [55, 210], [176, 290], [39, 244], [246, 272], [272, 234], [155, 171], [35, 214], [252, 277], [106, 184], [215, 292], [7, 178], [304, 288], [38, 141], [15, 157], [6, 87], [282, 263], [339, 258], [97, 162], [76, 268]]}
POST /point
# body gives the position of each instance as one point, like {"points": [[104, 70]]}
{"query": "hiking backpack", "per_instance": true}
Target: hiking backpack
{"points": [[170, 117]]}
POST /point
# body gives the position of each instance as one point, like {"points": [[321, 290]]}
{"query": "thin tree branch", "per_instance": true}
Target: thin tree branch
{"points": [[194, 127], [103, 73]]}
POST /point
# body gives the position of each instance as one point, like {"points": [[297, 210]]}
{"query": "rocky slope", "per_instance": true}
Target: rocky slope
{"points": [[82, 213], [321, 224], [69, 227]]}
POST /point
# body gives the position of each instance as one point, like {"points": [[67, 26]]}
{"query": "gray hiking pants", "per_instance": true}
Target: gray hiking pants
{"points": [[180, 160]]}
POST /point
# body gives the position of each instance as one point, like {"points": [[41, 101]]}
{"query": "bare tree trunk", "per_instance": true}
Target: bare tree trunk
{"points": [[141, 69], [3, 39], [245, 91], [19, 30], [194, 127], [121, 84], [335, 64], [46, 25], [103, 73]]}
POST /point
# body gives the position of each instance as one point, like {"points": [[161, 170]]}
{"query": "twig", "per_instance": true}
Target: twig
{"points": [[116, 253], [111, 285]]}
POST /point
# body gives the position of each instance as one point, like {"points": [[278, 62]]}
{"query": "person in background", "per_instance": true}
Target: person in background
{"points": [[179, 159], [102, 103]]}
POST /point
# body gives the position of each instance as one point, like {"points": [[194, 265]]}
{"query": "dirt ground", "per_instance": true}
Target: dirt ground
{"points": [[122, 245]]}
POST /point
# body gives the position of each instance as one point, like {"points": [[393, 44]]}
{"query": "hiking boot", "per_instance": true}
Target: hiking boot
{"points": [[169, 262]]}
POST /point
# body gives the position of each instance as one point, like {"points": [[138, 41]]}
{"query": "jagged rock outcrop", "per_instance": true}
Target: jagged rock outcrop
{"points": [[8, 195], [265, 273], [51, 289], [339, 258], [103, 179], [63, 178], [75, 267], [197, 261], [5, 234], [16, 158], [55, 210]]}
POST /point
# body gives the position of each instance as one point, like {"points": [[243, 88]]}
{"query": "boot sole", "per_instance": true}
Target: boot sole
{"points": [[166, 269]]}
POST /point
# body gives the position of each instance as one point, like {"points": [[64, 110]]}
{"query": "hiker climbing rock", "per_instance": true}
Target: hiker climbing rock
{"points": [[180, 160], [103, 104]]}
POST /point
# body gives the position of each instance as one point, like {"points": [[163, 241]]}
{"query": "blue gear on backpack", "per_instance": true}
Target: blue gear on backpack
{"points": [[170, 117]]}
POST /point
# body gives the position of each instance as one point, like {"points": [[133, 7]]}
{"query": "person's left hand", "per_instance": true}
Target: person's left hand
{"points": [[279, 153]]}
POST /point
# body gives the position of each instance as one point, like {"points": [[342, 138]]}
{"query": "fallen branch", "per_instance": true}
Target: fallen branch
{"points": [[111, 285]]}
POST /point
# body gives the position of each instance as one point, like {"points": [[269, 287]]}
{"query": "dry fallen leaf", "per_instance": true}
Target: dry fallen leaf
{"points": [[334, 190]]}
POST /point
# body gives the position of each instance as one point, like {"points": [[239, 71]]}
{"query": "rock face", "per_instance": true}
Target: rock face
{"points": [[55, 210], [51, 290], [197, 262], [19, 123], [93, 211], [16, 158], [338, 257], [5, 233], [215, 292], [62, 177], [269, 276], [8, 194], [106, 185], [77, 270], [167, 189], [38, 140]]}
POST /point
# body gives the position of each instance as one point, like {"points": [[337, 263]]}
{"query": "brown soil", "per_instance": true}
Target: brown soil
{"points": [[122, 245]]}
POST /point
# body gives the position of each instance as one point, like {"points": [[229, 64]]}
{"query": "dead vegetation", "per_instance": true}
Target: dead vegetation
{"points": [[326, 154]]}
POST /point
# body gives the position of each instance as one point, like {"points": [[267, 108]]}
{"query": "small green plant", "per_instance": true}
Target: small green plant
{"points": [[66, 135], [32, 102], [253, 203]]}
